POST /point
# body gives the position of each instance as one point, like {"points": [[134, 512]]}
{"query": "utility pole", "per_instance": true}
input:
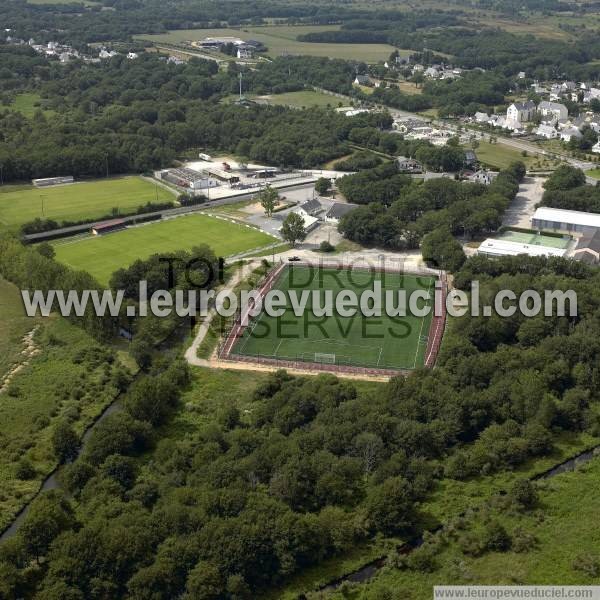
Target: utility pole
{"points": [[241, 77]]}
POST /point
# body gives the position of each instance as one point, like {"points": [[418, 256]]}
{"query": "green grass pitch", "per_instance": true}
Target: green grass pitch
{"points": [[375, 342], [102, 255], [77, 201]]}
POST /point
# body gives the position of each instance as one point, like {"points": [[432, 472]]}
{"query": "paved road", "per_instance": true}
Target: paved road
{"points": [[522, 207]]}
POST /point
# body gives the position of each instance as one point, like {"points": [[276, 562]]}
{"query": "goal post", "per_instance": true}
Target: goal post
{"points": [[325, 358]]}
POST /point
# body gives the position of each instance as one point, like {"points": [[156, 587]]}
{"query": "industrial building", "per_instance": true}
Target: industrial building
{"points": [[188, 178], [569, 221]]}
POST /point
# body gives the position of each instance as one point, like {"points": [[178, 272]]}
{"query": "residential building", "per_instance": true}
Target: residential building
{"points": [[408, 165], [483, 176], [588, 248], [547, 131], [552, 111], [569, 221], [519, 113], [310, 208], [362, 80], [338, 210], [570, 133], [596, 147], [481, 117]]}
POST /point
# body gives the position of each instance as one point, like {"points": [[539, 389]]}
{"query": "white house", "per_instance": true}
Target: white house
{"points": [[408, 165], [596, 147], [592, 94], [107, 54], [519, 113], [547, 131], [481, 117], [552, 111], [521, 75], [483, 176], [309, 208], [244, 52], [132, 55], [362, 80], [570, 133], [432, 72]]}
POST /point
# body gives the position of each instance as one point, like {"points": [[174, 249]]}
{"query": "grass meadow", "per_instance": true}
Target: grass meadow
{"points": [[69, 378], [103, 255], [27, 103], [393, 343], [76, 201]]}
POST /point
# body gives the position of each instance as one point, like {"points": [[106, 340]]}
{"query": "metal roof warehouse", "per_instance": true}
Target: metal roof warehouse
{"points": [[559, 219]]}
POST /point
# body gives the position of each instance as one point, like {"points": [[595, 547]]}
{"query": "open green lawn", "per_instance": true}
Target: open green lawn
{"points": [[68, 377], [595, 173], [499, 156], [357, 341], [102, 255], [302, 99], [27, 103], [76, 201], [281, 39]]}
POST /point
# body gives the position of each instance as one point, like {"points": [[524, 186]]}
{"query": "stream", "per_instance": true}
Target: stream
{"points": [[370, 570]]}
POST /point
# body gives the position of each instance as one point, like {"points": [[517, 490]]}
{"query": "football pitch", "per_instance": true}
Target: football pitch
{"points": [[374, 342], [77, 201], [102, 255]]}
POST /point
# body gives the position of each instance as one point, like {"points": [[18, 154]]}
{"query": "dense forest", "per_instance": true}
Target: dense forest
{"points": [[400, 212]]}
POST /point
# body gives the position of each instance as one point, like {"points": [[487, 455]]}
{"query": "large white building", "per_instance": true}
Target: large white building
{"points": [[519, 113], [493, 247], [570, 221]]}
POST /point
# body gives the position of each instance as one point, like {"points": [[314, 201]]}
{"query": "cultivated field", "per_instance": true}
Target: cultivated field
{"points": [[281, 39], [393, 343], [102, 255], [76, 201]]}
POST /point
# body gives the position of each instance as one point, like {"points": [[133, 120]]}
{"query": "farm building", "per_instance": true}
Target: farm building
{"points": [[52, 181], [108, 226], [570, 221]]}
